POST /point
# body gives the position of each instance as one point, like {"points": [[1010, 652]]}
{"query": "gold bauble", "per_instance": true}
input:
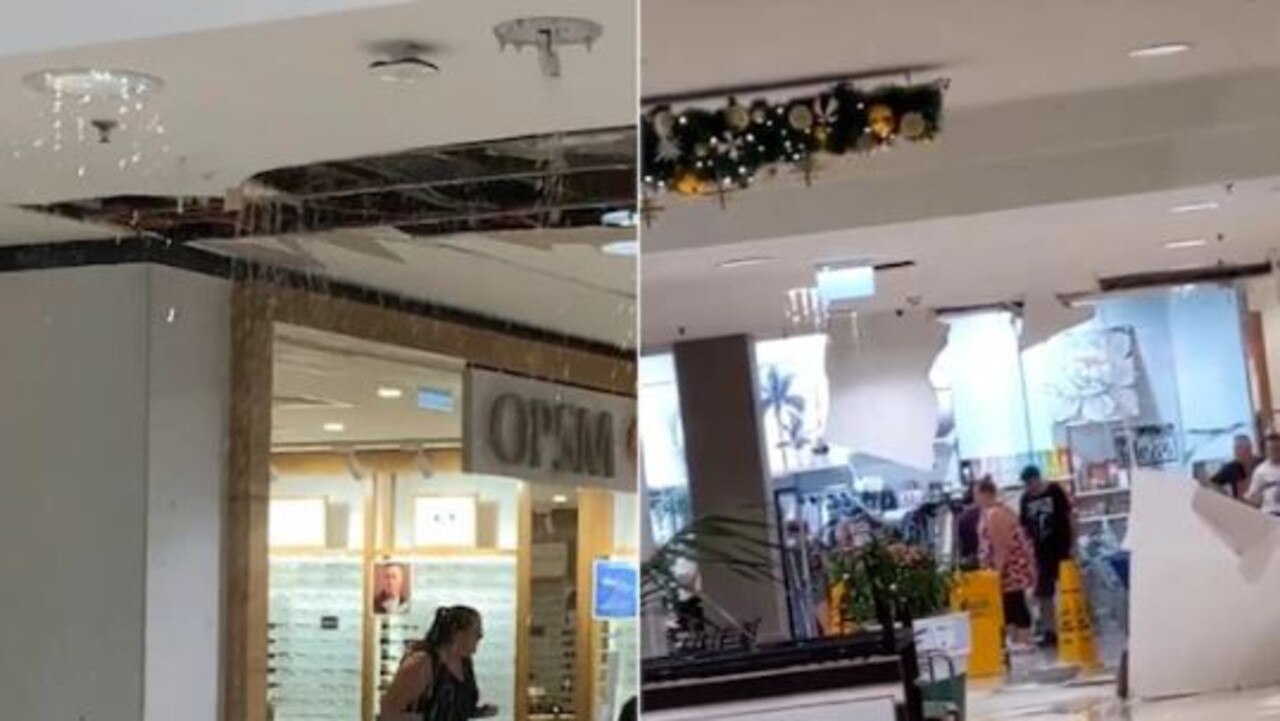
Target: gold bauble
{"points": [[688, 183], [800, 117], [880, 121], [913, 126], [737, 117]]}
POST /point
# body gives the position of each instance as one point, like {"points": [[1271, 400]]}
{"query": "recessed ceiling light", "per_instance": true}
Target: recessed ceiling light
{"points": [[1195, 207], [334, 427], [1185, 244], [390, 392], [625, 248], [95, 84], [1159, 51], [745, 262], [561, 499]]}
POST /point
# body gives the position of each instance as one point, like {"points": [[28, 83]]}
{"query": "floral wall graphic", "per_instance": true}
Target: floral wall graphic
{"points": [[1097, 376]]}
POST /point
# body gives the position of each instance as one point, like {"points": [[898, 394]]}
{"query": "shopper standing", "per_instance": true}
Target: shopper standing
{"points": [[1046, 516], [1006, 550], [1234, 477], [1264, 490], [967, 525], [436, 681]]}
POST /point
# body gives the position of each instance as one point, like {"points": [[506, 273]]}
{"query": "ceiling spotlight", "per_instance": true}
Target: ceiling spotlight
{"points": [[1194, 207], [560, 499], [390, 392], [1159, 51], [408, 69], [1185, 244], [623, 248], [746, 262], [334, 427]]}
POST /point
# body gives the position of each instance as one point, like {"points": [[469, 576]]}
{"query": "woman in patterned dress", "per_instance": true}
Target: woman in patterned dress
{"points": [[1005, 549]]}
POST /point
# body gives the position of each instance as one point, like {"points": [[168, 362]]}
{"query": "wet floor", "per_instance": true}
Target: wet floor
{"points": [[1099, 704]]}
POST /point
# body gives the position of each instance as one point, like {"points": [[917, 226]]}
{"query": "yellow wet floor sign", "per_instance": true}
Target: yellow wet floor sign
{"points": [[978, 594], [837, 624], [1076, 645]]}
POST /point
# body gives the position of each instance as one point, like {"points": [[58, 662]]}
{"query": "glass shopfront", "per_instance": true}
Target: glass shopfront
{"points": [[386, 505]]}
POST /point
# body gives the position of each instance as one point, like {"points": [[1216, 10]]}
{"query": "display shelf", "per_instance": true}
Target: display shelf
{"points": [[1099, 492], [1104, 518], [618, 673], [486, 583], [315, 619]]}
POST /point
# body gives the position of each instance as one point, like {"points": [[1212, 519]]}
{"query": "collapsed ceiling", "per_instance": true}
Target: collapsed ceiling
{"points": [[564, 180]]}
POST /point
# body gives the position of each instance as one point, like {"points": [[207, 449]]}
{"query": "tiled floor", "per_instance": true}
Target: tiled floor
{"points": [[1100, 704]]}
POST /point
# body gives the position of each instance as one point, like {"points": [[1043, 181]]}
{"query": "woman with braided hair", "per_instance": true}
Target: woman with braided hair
{"points": [[436, 681]]}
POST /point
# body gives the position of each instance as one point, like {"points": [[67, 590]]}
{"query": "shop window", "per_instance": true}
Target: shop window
{"points": [[794, 392], [663, 469]]}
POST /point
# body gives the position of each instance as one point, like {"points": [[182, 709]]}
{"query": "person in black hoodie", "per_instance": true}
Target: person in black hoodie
{"points": [[1046, 516]]}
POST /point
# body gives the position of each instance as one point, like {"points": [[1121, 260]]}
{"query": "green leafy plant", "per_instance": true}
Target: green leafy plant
{"points": [[883, 574]]}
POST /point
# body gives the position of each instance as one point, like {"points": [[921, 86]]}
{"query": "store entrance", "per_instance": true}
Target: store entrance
{"points": [[375, 526]]}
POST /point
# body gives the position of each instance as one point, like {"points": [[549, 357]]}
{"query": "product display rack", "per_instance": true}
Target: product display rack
{"points": [[1100, 488], [316, 630], [486, 582], [315, 621], [619, 669]]}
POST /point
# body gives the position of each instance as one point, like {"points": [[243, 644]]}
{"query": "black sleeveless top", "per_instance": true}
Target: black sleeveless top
{"points": [[449, 698]]}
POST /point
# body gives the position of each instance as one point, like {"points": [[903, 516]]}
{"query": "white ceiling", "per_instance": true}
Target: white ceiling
{"points": [[994, 50], [54, 24], [558, 280], [246, 99], [323, 378], [975, 259], [22, 227], [251, 98], [1059, 160]]}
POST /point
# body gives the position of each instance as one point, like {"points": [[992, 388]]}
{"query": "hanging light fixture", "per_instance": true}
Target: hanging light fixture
{"points": [[91, 108], [548, 35]]}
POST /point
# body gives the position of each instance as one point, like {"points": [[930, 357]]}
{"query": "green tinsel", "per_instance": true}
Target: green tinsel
{"points": [[697, 150]]}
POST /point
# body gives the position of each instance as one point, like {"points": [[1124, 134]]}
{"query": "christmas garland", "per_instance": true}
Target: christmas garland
{"points": [[696, 152]]}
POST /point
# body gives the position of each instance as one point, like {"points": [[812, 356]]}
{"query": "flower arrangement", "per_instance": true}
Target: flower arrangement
{"points": [[882, 575]]}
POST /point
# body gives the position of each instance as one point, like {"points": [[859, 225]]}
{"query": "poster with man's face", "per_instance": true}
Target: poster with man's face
{"points": [[391, 589]]}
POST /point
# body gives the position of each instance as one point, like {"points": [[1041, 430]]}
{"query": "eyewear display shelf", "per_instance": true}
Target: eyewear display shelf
{"points": [[315, 619], [618, 676], [486, 583]]}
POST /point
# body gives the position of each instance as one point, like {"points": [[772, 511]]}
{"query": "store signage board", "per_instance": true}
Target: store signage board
{"points": [[436, 399], [543, 432], [615, 590], [297, 522], [444, 521]]}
